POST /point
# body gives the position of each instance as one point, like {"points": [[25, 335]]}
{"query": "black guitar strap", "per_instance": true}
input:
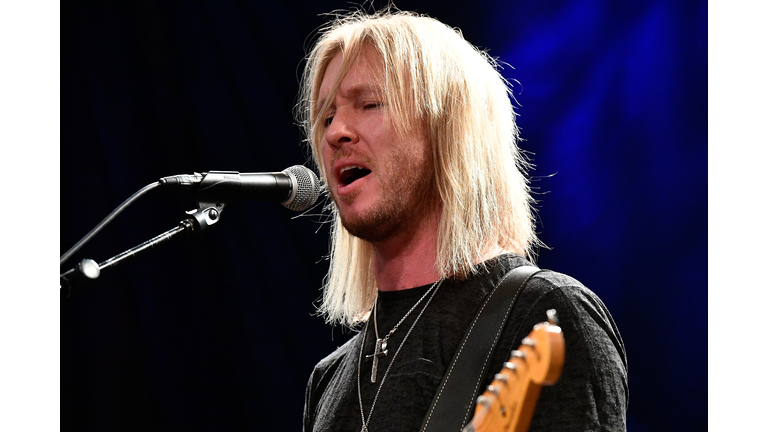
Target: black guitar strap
{"points": [[454, 401]]}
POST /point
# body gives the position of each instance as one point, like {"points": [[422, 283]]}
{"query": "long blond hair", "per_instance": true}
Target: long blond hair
{"points": [[437, 80]]}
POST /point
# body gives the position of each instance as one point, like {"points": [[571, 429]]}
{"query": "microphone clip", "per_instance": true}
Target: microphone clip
{"points": [[205, 216], [209, 206]]}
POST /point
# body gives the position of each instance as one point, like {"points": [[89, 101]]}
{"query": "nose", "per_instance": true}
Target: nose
{"points": [[341, 130]]}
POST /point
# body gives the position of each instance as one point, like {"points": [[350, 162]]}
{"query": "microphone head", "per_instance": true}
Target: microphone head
{"points": [[306, 188]]}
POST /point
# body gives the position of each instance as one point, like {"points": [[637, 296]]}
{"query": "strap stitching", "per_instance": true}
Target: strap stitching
{"points": [[455, 359], [461, 348], [496, 338]]}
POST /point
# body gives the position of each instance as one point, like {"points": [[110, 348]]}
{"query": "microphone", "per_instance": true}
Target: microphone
{"points": [[296, 187]]}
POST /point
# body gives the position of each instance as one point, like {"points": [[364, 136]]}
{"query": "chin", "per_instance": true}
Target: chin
{"points": [[375, 225]]}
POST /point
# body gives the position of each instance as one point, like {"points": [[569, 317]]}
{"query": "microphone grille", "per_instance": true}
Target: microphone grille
{"points": [[306, 189]]}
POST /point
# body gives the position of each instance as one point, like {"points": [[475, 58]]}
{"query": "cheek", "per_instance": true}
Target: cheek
{"points": [[325, 159]]}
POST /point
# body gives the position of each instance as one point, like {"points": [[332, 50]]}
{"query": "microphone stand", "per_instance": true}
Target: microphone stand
{"points": [[202, 218]]}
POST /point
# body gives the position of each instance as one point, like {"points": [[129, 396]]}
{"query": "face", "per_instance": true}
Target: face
{"points": [[378, 179]]}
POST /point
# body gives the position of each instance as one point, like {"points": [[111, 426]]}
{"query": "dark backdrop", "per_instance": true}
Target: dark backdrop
{"points": [[216, 331]]}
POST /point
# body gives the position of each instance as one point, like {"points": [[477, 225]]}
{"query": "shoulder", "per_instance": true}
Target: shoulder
{"points": [[592, 392], [581, 313], [322, 378], [594, 376], [578, 308], [550, 289], [330, 363], [545, 283], [574, 302], [552, 283]]}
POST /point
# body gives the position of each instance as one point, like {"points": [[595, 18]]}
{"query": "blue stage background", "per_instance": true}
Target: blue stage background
{"points": [[216, 331]]}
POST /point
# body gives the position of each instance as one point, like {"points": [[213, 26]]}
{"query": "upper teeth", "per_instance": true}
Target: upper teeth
{"points": [[347, 168]]}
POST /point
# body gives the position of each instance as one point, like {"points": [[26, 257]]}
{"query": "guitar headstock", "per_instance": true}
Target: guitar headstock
{"points": [[509, 401]]}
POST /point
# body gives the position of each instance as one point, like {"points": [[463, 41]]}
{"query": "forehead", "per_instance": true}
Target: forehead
{"points": [[364, 75]]}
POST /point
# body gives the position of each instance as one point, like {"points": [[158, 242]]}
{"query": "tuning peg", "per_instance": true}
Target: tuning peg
{"points": [[484, 401], [552, 317]]}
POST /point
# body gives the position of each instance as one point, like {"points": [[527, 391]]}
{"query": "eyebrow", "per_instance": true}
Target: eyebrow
{"points": [[356, 90]]}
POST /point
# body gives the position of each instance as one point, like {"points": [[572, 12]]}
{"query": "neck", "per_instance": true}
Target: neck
{"points": [[407, 259], [410, 263]]}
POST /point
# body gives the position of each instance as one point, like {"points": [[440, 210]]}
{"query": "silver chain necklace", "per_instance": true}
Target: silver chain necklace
{"points": [[381, 349]]}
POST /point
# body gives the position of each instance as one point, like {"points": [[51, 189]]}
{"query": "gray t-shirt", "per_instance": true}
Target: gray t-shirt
{"points": [[591, 394]]}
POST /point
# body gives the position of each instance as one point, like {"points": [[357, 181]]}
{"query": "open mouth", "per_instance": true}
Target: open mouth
{"points": [[350, 174]]}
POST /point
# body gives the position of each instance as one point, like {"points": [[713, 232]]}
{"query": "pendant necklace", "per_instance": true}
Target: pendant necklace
{"points": [[380, 349]]}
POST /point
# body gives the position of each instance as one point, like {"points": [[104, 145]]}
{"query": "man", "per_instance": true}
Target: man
{"points": [[414, 132]]}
